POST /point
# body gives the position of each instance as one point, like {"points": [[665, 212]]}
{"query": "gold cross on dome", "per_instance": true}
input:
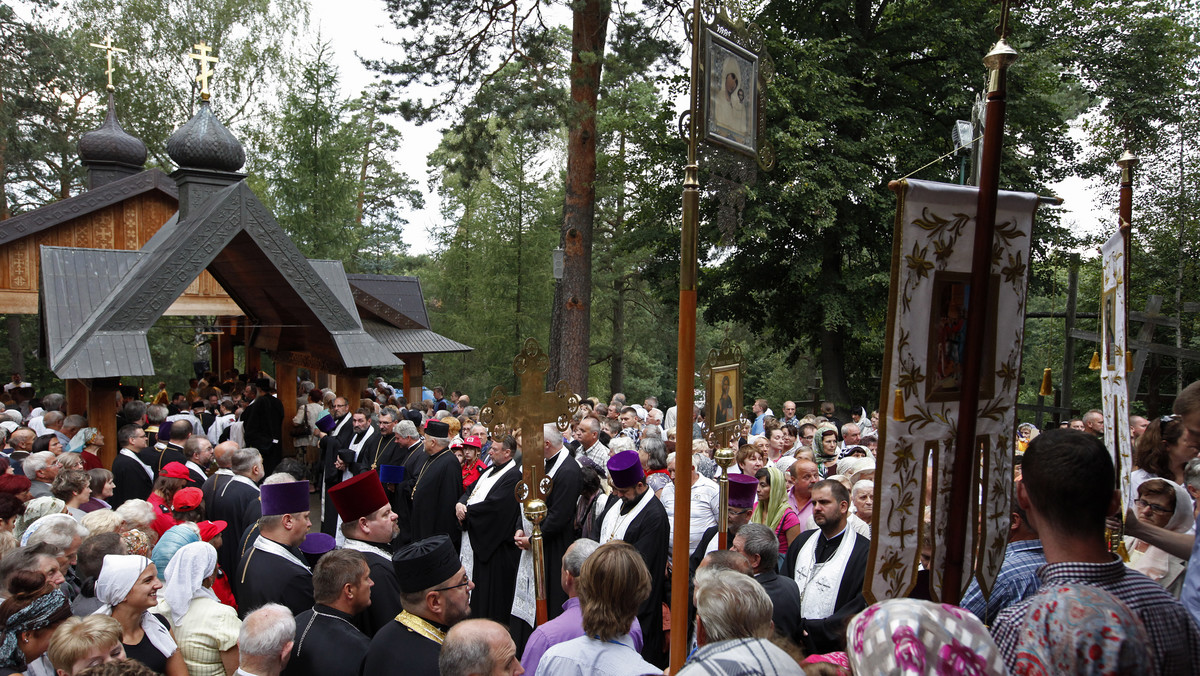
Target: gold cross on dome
{"points": [[109, 49], [204, 58]]}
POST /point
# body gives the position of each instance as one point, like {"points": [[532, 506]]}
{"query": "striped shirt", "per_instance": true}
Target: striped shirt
{"points": [[1017, 581], [1173, 633]]}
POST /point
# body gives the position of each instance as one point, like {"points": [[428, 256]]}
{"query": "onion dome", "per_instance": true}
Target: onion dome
{"points": [[204, 143], [111, 144]]}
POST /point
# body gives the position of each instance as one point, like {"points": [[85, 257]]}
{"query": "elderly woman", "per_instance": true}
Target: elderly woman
{"points": [[88, 443], [128, 587], [911, 637], [103, 485], [1167, 505], [84, 642], [136, 517], [28, 619], [862, 498], [205, 629], [36, 509], [749, 460], [47, 442], [74, 488]]}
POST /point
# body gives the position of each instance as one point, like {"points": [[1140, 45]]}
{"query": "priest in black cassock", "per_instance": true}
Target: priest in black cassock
{"points": [[381, 448], [558, 528], [635, 515], [334, 434], [435, 594], [369, 526], [411, 453], [743, 489], [829, 565], [326, 640], [262, 424], [487, 515], [273, 569], [133, 477], [437, 488], [230, 504]]}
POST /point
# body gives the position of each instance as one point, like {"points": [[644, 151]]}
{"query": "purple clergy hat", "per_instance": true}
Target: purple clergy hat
{"points": [[317, 543], [625, 469], [325, 422], [742, 490], [391, 474], [285, 498]]}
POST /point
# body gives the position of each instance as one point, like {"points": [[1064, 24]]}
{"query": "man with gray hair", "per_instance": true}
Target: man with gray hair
{"points": [[70, 426], [51, 402], [265, 641], [41, 470], [230, 503], [733, 626], [409, 452], [479, 648], [558, 528], [568, 625], [759, 544], [437, 487]]}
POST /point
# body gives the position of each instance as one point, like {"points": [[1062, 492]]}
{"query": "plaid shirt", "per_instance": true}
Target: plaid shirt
{"points": [[1175, 637], [1017, 581]]}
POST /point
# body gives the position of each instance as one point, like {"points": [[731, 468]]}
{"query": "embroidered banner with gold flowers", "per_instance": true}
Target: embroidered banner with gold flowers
{"points": [[931, 265], [1114, 363]]}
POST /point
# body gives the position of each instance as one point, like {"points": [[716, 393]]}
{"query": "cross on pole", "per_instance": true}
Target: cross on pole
{"points": [[204, 58], [527, 412], [109, 49]]}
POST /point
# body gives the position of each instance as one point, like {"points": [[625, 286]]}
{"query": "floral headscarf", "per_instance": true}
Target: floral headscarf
{"points": [[36, 615], [911, 637], [1079, 629], [36, 509], [81, 439]]}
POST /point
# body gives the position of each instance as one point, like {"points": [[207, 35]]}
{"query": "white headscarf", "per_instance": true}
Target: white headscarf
{"points": [[189, 567], [43, 521], [117, 577]]}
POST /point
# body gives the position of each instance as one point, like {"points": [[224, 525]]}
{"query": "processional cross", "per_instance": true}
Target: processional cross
{"points": [[109, 49], [204, 58], [527, 412]]}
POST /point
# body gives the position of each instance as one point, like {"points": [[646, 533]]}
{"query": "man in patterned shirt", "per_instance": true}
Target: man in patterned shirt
{"points": [[1018, 578], [1067, 489]]}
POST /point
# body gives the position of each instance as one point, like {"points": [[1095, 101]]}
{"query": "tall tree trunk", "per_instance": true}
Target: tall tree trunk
{"points": [[570, 334], [616, 381]]}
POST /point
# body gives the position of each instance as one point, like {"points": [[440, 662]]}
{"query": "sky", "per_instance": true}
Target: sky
{"points": [[357, 28]]}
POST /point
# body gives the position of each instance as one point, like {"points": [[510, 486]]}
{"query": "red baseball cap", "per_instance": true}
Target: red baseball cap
{"points": [[175, 470], [211, 529], [474, 442], [187, 499]]}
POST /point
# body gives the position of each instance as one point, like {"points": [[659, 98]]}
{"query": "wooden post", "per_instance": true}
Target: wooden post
{"points": [[285, 386], [1127, 162], [350, 385], [102, 398], [966, 446], [77, 398], [414, 377], [223, 347]]}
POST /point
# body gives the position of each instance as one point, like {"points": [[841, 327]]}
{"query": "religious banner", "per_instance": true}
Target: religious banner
{"points": [[931, 266], [1114, 362], [722, 374]]}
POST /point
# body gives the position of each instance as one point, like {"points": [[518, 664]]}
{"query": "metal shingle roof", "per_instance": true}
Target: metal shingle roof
{"points": [[412, 341]]}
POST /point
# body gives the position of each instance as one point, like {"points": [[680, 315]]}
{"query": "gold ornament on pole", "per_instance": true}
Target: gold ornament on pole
{"points": [[527, 412], [202, 56]]}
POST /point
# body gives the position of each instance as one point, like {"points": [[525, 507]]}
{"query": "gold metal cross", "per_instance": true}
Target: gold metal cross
{"points": [[109, 49], [527, 412], [204, 58]]}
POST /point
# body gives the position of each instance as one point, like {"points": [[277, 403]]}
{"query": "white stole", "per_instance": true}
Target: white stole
{"points": [[525, 599], [615, 524], [479, 493], [367, 548], [357, 446], [819, 582], [264, 544], [130, 454]]}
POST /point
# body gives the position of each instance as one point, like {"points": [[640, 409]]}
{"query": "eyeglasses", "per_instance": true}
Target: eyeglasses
{"points": [[738, 512], [466, 581], [1153, 507]]}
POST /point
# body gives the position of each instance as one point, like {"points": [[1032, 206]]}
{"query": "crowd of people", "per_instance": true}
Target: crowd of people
{"points": [[392, 542]]}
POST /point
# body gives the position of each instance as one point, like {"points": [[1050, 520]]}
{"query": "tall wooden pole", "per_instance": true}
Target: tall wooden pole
{"points": [[685, 375], [966, 446]]}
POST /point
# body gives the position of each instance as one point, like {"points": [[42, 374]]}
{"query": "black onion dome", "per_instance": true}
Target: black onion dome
{"points": [[110, 143], [204, 143]]}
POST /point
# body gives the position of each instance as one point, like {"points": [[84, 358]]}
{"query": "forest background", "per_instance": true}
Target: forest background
{"points": [[864, 92]]}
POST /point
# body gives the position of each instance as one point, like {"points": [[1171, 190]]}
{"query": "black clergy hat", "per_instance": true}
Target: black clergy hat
{"points": [[437, 429], [425, 564]]}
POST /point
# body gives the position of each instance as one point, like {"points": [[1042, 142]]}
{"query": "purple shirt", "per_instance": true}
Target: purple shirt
{"points": [[563, 628]]}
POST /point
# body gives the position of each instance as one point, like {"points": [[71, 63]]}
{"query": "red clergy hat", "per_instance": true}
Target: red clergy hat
{"points": [[358, 496]]}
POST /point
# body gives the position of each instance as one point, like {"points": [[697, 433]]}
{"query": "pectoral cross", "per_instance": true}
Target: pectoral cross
{"points": [[204, 58], [109, 49], [527, 412]]}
